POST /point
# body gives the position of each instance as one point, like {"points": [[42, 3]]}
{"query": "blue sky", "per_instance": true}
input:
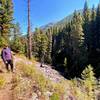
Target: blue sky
{"points": [[46, 11]]}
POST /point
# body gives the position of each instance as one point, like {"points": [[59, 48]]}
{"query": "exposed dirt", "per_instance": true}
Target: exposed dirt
{"points": [[6, 93]]}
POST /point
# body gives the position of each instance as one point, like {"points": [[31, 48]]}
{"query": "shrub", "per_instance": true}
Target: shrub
{"points": [[59, 88], [30, 71], [26, 70], [41, 81], [3, 41], [55, 96], [17, 45]]}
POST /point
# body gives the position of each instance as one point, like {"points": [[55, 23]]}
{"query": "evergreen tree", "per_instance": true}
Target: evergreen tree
{"points": [[92, 38], [93, 27], [86, 25], [40, 44], [96, 44], [17, 29], [98, 27], [54, 44], [76, 29], [17, 45], [76, 41], [18, 41], [6, 17], [89, 81], [49, 48]]}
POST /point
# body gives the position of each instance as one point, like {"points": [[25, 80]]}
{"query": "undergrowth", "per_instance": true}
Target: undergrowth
{"points": [[2, 81], [79, 89]]}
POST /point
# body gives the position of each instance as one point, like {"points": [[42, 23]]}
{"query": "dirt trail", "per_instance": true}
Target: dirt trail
{"points": [[6, 93]]}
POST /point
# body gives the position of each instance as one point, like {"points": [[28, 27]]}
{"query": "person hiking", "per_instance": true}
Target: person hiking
{"points": [[7, 57]]}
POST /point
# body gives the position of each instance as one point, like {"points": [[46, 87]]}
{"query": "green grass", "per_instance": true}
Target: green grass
{"points": [[55, 96], [2, 81]]}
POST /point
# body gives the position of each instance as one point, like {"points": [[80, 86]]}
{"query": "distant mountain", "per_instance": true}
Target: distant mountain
{"points": [[61, 22], [47, 26], [67, 19]]}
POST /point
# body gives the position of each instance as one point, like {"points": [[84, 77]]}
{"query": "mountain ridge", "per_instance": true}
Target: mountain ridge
{"points": [[61, 22]]}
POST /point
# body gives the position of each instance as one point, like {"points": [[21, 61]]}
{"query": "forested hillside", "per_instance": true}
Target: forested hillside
{"points": [[69, 47], [67, 53], [72, 45]]}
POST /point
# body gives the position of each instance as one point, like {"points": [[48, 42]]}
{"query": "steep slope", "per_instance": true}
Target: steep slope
{"points": [[29, 81], [32, 82]]}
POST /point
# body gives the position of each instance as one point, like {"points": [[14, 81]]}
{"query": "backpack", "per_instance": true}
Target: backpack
{"points": [[2, 54]]}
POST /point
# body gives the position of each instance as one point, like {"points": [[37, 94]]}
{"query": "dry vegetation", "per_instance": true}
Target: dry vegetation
{"points": [[28, 83]]}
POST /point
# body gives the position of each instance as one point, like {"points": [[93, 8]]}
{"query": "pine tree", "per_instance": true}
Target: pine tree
{"points": [[86, 25], [93, 28], [95, 55], [40, 44], [98, 27], [54, 44], [89, 81], [17, 29], [76, 29], [49, 48], [76, 40], [6, 17], [17, 41], [92, 38]]}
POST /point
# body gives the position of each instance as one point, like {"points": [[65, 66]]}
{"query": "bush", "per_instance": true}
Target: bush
{"points": [[3, 41], [55, 96], [17, 45], [27, 70]]}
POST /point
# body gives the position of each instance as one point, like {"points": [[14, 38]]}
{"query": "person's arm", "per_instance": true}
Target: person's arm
{"points": [[11, 54]]}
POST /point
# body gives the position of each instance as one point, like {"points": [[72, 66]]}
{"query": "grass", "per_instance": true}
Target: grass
{"points": [[2, 79], [31, 72], [22, 88], [28, 72], [55, 96], [44, 84], [2, 82]]}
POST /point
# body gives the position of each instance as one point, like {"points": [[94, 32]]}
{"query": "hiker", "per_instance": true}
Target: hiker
{"points": [[7, 57]]}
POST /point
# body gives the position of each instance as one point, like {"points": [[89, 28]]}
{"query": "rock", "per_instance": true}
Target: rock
{"points": [[98, 96], [34, 96], [39, 93], [48, 93]]}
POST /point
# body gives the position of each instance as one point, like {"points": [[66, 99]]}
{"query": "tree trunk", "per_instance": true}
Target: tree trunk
{"points": [[29, 34]]}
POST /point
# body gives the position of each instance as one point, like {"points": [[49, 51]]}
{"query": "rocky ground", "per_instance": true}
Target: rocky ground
{"points": [[31, 90]]}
